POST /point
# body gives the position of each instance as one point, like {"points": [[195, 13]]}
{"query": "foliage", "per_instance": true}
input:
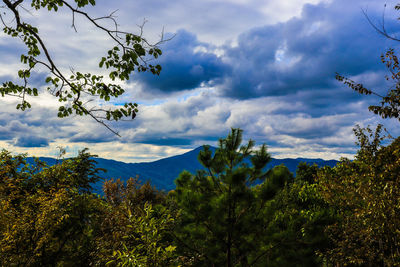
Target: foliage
{"points": [[47, 214], [298, 217], [390, 103], [130, 53], [147, 233], [222, 220], [132, 194], [234, 212], [366, 195], [135, 219], [49, 217]]}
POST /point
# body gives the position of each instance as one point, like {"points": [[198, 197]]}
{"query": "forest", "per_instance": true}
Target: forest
{"points": [[234, 213]]}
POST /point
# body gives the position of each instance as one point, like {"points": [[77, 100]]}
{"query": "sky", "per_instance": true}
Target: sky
{"points": [[267, 67]]}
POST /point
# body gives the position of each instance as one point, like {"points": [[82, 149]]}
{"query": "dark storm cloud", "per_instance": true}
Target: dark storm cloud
{"points": [[31, 141], [282, 59], [98, 136], [184, 67], [321, 101], [304, 53]]}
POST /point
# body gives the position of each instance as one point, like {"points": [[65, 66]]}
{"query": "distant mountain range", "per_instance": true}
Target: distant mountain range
{"points": [[162, 173]]}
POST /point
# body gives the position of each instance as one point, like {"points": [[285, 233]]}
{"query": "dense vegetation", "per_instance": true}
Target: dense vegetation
{"points": [[234, 213]]}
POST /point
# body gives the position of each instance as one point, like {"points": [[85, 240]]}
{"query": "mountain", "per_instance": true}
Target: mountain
{"points": [[163, 172]]}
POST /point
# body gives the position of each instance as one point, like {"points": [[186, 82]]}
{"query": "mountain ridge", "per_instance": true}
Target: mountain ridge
{"points": [[162, 172]]}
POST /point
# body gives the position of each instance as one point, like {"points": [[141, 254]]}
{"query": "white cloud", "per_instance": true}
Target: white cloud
{"points": [[293, 125]]}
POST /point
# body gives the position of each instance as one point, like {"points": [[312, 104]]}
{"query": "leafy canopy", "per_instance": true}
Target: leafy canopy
{"points": [[366, 196], [47, 214]]}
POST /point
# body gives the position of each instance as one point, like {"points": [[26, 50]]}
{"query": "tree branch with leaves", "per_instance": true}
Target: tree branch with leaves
{"points": [[77, 91], [389, 106]]}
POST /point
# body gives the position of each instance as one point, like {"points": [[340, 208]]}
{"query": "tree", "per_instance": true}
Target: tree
{"points": [[47, 214], [390, 103], [49, 217], [150, 248], [76, 91], [134, 226], [298, 217], [366, 196], [222, 209]]}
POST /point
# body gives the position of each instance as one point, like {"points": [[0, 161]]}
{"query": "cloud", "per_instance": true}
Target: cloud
{"points": [[274, 81], [20, 134], [35, 127], [31, 141], [214, 21], [278, 121], [304, 53], [186, 64]]}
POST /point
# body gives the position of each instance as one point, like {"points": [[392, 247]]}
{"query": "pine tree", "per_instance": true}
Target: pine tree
{"points": [[222, 220]]}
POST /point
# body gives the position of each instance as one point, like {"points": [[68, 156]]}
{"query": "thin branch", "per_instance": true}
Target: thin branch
{"points": [[379, 30], [26, 10], [16, 3], [383, 18], [2, 21], [73, 21]]}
